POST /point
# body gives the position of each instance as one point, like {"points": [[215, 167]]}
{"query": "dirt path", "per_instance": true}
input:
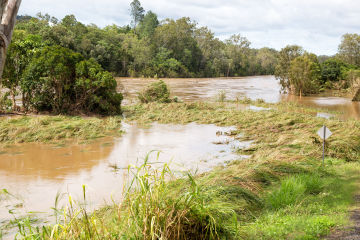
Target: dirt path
{"points": [[351, 232]]}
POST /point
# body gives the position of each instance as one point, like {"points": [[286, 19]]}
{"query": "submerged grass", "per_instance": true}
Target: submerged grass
{"points": [[281, 192]]}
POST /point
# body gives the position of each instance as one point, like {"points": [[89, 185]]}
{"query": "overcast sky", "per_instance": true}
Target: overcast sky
{"points": [[317, 25]]}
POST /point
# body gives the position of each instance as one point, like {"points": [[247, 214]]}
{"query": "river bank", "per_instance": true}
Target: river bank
{"points": [[280, 191]]}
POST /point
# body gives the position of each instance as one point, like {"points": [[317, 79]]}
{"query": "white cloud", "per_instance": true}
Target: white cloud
{"points": [[317, 25]]}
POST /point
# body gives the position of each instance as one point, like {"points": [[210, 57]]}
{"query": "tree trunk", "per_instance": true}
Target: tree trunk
{"points": [[8, 13]]}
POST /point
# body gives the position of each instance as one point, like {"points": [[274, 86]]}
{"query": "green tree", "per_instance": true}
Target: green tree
{"points": [[178, 37], [59, 80], [137, 12], [49, 79], [267, 59], [237, 50], [212, 53], [331, 70], [140, 52], [148, 25], [305, 75], [164, 65], [95, 89], [286, 55], [20, 53], [349, 49]]}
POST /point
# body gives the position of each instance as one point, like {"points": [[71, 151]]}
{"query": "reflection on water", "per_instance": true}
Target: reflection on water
{"points": [[35, 173], [264, 87]]}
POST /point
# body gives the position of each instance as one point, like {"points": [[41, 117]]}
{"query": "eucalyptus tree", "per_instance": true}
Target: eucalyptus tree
{"points": [[286, 55], [305, 75], [137, 12], [349, 49]]}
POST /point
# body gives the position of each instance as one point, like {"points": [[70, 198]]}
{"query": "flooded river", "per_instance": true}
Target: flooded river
{"points": [[35, 173], [264, 87]]}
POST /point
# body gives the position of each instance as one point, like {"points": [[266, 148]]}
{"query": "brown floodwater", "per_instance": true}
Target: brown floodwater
{"points": [[35, 173], [257, 87]]}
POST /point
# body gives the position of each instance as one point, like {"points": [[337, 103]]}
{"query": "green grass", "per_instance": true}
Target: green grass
{"points": [[316, 205]]}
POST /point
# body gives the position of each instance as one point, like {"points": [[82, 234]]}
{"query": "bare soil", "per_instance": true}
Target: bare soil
{"points": [[350, 232]]}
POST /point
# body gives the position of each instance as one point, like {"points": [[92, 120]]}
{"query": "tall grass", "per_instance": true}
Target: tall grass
{"points": [[293, 189], [151, 209]]}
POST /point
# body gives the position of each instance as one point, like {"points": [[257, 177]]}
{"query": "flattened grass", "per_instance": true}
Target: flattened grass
{"points": [[48, 129]]}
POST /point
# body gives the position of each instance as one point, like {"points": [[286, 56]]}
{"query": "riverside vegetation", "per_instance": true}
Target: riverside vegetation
{"points": [[81, 61], [282, 191]]}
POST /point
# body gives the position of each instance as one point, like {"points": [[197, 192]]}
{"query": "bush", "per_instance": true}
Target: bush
{"points": [[155, 92], [331, 70], [60, 81], [96, 89]]}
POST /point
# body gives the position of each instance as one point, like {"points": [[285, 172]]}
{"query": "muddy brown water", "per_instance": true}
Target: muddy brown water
{"points": [[35, 173], [258, 87]]}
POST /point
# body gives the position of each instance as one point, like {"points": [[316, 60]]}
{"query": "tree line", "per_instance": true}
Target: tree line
{"points": [[303, 73], [66, 66]]}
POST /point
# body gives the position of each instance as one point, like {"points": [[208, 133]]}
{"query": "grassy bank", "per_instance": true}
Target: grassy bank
{"points": [[49, 129], [281, 192]]}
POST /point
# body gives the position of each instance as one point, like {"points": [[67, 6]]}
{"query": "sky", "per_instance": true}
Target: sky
{"points": [[316, 25]]}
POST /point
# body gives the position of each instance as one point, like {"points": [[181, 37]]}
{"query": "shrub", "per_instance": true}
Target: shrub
{"points": [[96, 89], [60, 81], [155, 92]]}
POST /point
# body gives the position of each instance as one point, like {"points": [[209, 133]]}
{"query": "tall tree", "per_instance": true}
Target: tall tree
{"points": [[286, 55], [137, 12], [178, 37], [305, 74], [148, 25], [237, 50], [349, 49]]}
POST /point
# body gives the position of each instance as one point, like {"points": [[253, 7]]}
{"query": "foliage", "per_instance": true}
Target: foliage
{"points": [[353, 78], [155, 92], [20, 52], [331, 70], [304, 74], [58, 80], [137, 12], [95, 89], [147, 26], [170, 48], [286, 56], [349, 49]]}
